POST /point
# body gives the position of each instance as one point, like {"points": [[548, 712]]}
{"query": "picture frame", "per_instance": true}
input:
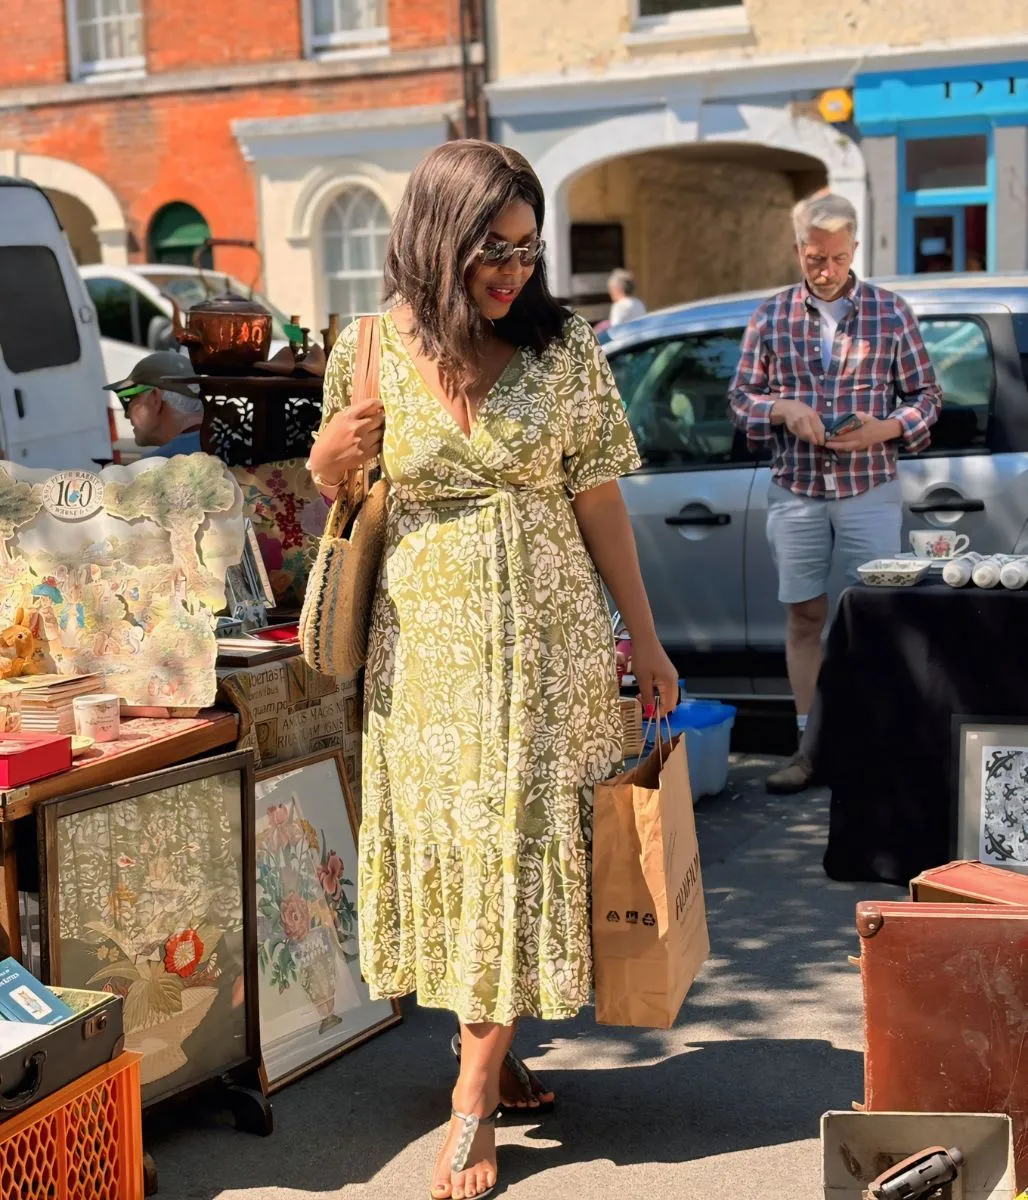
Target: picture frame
{"points": [[145, 888], [248, 593], [254, 566], [314, 1006], [991, 799]]}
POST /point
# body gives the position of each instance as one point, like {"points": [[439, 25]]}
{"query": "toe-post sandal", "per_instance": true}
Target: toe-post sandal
{"points": [[528, 1081], [466, 1140]]}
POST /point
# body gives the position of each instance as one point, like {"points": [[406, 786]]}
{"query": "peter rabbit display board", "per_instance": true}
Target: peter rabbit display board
{"points": [[145, 892], [313, 1003], [124, 569]]}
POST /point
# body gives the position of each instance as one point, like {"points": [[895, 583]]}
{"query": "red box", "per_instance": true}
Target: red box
{"points": [[28, 756]]}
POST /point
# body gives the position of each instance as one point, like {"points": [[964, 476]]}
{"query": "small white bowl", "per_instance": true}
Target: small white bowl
{"points": [[894, 572]]}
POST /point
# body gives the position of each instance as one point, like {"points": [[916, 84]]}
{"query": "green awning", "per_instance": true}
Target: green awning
{"points": [[178, 227]]}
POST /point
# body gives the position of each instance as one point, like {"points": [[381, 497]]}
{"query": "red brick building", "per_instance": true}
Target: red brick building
{"points": [[154, 123]]}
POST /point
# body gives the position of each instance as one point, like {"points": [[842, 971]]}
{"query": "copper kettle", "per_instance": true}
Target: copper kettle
{"points": [[226, 334]]}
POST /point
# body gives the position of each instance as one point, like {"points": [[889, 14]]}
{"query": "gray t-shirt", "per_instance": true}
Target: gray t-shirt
{"points": [[832, 312]]}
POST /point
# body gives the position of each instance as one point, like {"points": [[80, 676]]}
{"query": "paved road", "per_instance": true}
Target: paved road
{"points": [[724, 1105]]}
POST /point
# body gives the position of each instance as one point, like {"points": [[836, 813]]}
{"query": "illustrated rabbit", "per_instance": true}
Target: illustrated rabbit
{"points": [[18, 646]]}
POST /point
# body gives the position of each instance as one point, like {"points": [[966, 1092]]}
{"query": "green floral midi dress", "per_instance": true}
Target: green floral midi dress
{"points": [[490, 691]]}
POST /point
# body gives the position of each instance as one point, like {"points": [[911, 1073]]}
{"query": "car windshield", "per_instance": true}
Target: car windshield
{"points": [[187, 290]]}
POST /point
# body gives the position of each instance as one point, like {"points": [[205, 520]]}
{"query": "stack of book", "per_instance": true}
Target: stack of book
{"points": [[45, 701]]}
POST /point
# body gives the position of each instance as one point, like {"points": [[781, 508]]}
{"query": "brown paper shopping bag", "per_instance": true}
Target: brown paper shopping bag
{"points": [[649, 922]]}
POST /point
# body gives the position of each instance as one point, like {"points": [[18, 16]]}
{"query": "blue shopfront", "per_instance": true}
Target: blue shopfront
{"points": [[947, 155]]}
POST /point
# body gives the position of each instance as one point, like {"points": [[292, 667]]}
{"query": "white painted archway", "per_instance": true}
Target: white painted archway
{"points": [[681, 124], [111, 228]]}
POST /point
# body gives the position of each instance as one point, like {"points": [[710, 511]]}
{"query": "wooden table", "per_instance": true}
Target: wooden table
{"points": [[145, 744]]}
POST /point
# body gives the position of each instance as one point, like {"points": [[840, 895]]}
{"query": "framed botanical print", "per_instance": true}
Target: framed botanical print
{"points": [[992, 791], [146, 891], [313, 1003]]}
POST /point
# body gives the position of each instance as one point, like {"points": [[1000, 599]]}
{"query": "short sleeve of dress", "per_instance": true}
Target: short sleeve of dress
{"points": [[600, 446], [339, 374]]}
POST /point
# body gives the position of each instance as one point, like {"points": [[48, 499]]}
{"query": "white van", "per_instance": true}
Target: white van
{"points": [[53, 409]]}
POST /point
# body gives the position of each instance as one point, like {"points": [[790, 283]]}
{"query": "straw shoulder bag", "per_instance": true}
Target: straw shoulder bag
{"points": [[336, 614]]}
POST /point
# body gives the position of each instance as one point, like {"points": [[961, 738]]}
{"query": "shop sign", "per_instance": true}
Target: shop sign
{"points": [[73, 495], [992, 90], [835, 105]]}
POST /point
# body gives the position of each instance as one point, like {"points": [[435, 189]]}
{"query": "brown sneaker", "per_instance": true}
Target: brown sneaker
{"points": [[795, 776]]}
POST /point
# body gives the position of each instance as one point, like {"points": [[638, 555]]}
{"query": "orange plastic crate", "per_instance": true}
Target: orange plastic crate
{"points": [[84, 1142]]}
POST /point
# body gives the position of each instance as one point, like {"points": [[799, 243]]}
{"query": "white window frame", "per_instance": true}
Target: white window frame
{"points": [[689, 24], [348, 42], [106, 69], [351, 185]]}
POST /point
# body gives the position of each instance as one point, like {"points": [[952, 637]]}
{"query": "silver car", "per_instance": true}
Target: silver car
{"points": [[699, 503]]}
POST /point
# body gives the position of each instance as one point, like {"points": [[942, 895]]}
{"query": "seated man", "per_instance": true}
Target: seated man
{"points": [[165, 411]]}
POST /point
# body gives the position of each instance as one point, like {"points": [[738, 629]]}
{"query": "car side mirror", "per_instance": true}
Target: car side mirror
{"points": [[160, 334]]}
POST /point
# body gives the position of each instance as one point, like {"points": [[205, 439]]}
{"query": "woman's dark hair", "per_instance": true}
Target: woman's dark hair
{"points": [[448, 206]]}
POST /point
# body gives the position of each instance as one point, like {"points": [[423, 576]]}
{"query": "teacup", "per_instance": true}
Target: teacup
{"points": [[938, 543], [98, 716]]}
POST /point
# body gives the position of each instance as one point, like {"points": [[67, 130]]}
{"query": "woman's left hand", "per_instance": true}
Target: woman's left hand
{"points": [[655, 673]]}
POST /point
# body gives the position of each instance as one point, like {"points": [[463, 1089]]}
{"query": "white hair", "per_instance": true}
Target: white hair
{"points": [[622, 279], [188, 405], [823, 210]]}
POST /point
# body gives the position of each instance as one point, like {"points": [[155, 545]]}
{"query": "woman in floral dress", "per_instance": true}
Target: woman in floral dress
{"points": [[490, 689]]}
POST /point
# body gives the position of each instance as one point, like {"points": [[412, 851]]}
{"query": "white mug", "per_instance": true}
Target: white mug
{"points": [[98, 717], [938, 543]]}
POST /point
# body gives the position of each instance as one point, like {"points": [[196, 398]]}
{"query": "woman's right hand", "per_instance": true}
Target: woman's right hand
{"points": [[352, 437]]}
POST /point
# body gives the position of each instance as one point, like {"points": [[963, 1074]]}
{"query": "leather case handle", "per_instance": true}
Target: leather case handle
{"points": [[12, 1102]]}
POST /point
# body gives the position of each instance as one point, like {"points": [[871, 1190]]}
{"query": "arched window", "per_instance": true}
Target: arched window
{"points": [[175, 232], [354, 233]]}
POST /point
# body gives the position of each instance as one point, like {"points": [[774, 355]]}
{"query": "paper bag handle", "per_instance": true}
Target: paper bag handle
{"points": [[658, 716]]}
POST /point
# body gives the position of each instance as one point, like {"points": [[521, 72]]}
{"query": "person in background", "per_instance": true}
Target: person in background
{"points": [[829, 347], [165, 411], [625, 304]]}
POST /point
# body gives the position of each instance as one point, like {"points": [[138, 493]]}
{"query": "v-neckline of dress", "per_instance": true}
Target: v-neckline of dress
{"points": [[469, 436]]}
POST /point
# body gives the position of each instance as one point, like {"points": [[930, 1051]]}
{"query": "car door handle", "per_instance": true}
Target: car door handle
{"points": [[19, 402], [949, 506], [700, 519]]}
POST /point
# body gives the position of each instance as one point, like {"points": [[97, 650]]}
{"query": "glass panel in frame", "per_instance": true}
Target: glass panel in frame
{"points": [[145, 893], [313, 1003]]}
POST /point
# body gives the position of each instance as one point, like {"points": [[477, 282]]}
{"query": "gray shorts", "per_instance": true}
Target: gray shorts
{"points": [[812, 538]]}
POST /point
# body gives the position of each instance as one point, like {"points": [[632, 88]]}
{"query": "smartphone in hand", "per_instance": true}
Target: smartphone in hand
{"points": [[841, 425]]}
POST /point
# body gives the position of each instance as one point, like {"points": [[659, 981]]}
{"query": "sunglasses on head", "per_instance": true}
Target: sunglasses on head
{"points": [[497, 253]]}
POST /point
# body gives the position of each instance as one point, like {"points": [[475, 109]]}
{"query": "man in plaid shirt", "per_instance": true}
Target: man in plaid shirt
{"points": [[829, 348]]}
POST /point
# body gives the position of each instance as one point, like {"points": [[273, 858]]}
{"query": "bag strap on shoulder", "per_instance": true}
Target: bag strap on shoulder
{"points": [[365, 386]]}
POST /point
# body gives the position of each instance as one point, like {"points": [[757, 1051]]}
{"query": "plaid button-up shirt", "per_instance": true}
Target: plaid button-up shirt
{"points": [[879, 366]]}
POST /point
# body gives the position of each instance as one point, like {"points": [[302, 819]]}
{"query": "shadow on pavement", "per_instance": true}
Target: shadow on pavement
{"points": [[716, 1098]]}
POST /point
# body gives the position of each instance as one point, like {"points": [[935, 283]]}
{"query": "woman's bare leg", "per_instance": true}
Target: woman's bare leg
{"points": [[513, 1094], [477, 1092]]}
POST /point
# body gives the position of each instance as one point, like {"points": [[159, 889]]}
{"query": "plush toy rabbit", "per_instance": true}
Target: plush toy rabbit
{"points": [[18, 646]]}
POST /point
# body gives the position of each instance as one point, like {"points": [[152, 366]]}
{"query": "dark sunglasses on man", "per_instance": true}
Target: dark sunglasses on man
{"points": [[127, 395]]}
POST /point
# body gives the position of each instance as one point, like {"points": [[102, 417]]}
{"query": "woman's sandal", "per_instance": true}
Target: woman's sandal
{"points": [[528, 1081], [462, 1152]]}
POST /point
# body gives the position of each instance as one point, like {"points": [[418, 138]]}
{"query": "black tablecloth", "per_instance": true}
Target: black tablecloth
{"points": [[899, 664]]}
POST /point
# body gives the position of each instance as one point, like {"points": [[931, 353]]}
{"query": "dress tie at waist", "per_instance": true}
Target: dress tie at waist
{"points": [[483, 499]]}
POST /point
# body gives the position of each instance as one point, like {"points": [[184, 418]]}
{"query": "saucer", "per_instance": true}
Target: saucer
{"points": [[79, 745]]}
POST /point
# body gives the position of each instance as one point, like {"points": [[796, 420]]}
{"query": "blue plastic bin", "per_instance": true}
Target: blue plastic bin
{"points": [[707, 725]]}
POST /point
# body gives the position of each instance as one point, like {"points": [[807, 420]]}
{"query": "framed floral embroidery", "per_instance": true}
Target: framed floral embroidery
{"points": [[145, 892], [313, 1003]]}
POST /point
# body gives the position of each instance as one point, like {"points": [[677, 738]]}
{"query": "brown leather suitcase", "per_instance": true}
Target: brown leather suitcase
{"points": [[946, 1010], [969, 882]]}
